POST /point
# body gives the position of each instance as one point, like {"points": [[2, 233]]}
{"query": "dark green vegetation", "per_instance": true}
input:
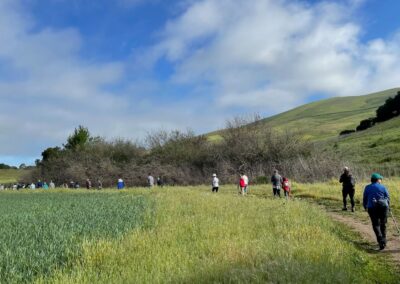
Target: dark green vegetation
{"points": [[44, 231]]}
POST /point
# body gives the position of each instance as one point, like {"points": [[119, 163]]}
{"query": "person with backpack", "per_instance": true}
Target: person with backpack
{"points": [[246, 183], [286, 187], [376, 201], [215, 183], [276, 181], [348, 188]]}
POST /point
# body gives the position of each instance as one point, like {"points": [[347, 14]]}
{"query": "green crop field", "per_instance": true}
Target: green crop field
{"points": [[177, 235]]}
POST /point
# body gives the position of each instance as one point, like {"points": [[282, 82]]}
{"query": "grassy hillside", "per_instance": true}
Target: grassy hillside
{"points": [[377, 147], [10, 176], [326, 118]]}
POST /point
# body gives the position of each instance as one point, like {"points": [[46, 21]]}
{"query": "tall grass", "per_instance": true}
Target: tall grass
{"points": [[200, 237]]}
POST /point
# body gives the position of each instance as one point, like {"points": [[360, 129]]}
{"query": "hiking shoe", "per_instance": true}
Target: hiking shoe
{"points": [[382, 246], [352, 209], [344, 209]]}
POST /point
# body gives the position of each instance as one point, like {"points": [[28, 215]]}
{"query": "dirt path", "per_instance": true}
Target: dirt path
{"points": [[365, 230]]}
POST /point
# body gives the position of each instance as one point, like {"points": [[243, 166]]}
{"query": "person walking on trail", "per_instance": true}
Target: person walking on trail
{"points": [[52, 185], [286, 187], [160, 182], [348, 188], [215, 183], [99, 185], [276, 181], [150, 181], [376, 201], [120, 183], [242, 185], [246, 182]]}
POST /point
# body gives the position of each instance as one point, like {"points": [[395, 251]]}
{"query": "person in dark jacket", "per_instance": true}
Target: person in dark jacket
{"points": [[376, 201], [276, 181], [348, 188]]}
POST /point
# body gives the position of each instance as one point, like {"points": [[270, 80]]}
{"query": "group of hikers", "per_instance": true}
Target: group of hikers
{"points": [[376, 199], [278, 183]]}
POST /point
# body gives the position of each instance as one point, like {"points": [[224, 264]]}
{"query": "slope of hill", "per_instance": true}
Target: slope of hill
{"points": [[326, 118]]}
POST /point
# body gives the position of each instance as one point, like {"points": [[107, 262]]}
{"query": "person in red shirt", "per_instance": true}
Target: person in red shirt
{"points": [[242, 184], [286, 187]]}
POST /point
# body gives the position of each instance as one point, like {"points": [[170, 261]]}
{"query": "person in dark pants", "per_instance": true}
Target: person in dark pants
{"points": [[377, 201], [348, 183], [276, 181]]}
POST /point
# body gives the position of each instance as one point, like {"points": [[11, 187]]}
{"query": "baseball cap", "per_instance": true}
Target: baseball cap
{"points": [[376, 176]]}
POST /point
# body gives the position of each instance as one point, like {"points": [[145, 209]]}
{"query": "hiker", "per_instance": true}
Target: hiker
{"points": [[32, 186], [71, 184], [39, 184], [99, 185], [160, 181], [45, 185], [242, 184], [376, 201], [215, 183], [246, 182], [76, 185], [150, 181], [286, 187], [88, 184], [120, 183], [348, 188], [52, 185], [276, 181]]}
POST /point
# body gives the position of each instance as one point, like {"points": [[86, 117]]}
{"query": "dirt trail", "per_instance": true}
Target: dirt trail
{"points": [[392, 249]]}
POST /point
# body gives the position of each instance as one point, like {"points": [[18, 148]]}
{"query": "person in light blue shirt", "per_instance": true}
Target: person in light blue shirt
{"points": [[376, 201]]}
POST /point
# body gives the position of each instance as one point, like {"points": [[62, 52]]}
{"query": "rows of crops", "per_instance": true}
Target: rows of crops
{"points": [[44, 231]]}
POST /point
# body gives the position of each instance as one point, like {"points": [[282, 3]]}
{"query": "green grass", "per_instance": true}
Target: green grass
{"points": [[195, 236], [10, 176], [44, 231]]}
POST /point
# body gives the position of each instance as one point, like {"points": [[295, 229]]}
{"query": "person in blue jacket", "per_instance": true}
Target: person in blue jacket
{"points": [[120, 183], [376, 201]]}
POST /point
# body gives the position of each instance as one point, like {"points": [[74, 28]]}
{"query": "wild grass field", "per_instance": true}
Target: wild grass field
{"points": [[179, 235]]}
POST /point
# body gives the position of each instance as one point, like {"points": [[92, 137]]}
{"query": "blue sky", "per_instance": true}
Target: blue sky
{"points": [[124, 68]]}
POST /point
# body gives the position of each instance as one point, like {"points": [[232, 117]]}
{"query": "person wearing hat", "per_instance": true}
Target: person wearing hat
{"points": [[348, 188], [376, 201], [215, 183]]}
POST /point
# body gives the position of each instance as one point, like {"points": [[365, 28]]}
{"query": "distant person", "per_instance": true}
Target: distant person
{"points": [[32, 186], [276, 181], [99, 185], [215, 183], [160, 181], [52, 185], [45, 185], [77, 185], [246, 182], [242, 185], [286, 187], [71, 184], [120, 183], [348, 188], [1, 186], [150, 181], [376, 201], [88, 184], [39, 184]]}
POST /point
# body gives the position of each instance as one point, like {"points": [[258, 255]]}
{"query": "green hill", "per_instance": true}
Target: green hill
{"points": [[322, 121], [326, 118]]}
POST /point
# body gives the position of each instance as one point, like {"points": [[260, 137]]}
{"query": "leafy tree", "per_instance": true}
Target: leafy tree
{"points": [[366, 123], [50, 153], [78, 139]]}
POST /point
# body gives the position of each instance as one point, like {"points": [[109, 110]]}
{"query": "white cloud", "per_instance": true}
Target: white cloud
{"points": [[257, 52]]}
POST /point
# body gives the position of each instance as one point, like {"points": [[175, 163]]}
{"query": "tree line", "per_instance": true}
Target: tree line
{"points": [[183, 158]]}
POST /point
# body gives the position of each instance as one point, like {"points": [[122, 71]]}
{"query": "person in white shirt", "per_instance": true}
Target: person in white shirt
{"points": [[150, 181], [246, 182], [215, 183]]}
